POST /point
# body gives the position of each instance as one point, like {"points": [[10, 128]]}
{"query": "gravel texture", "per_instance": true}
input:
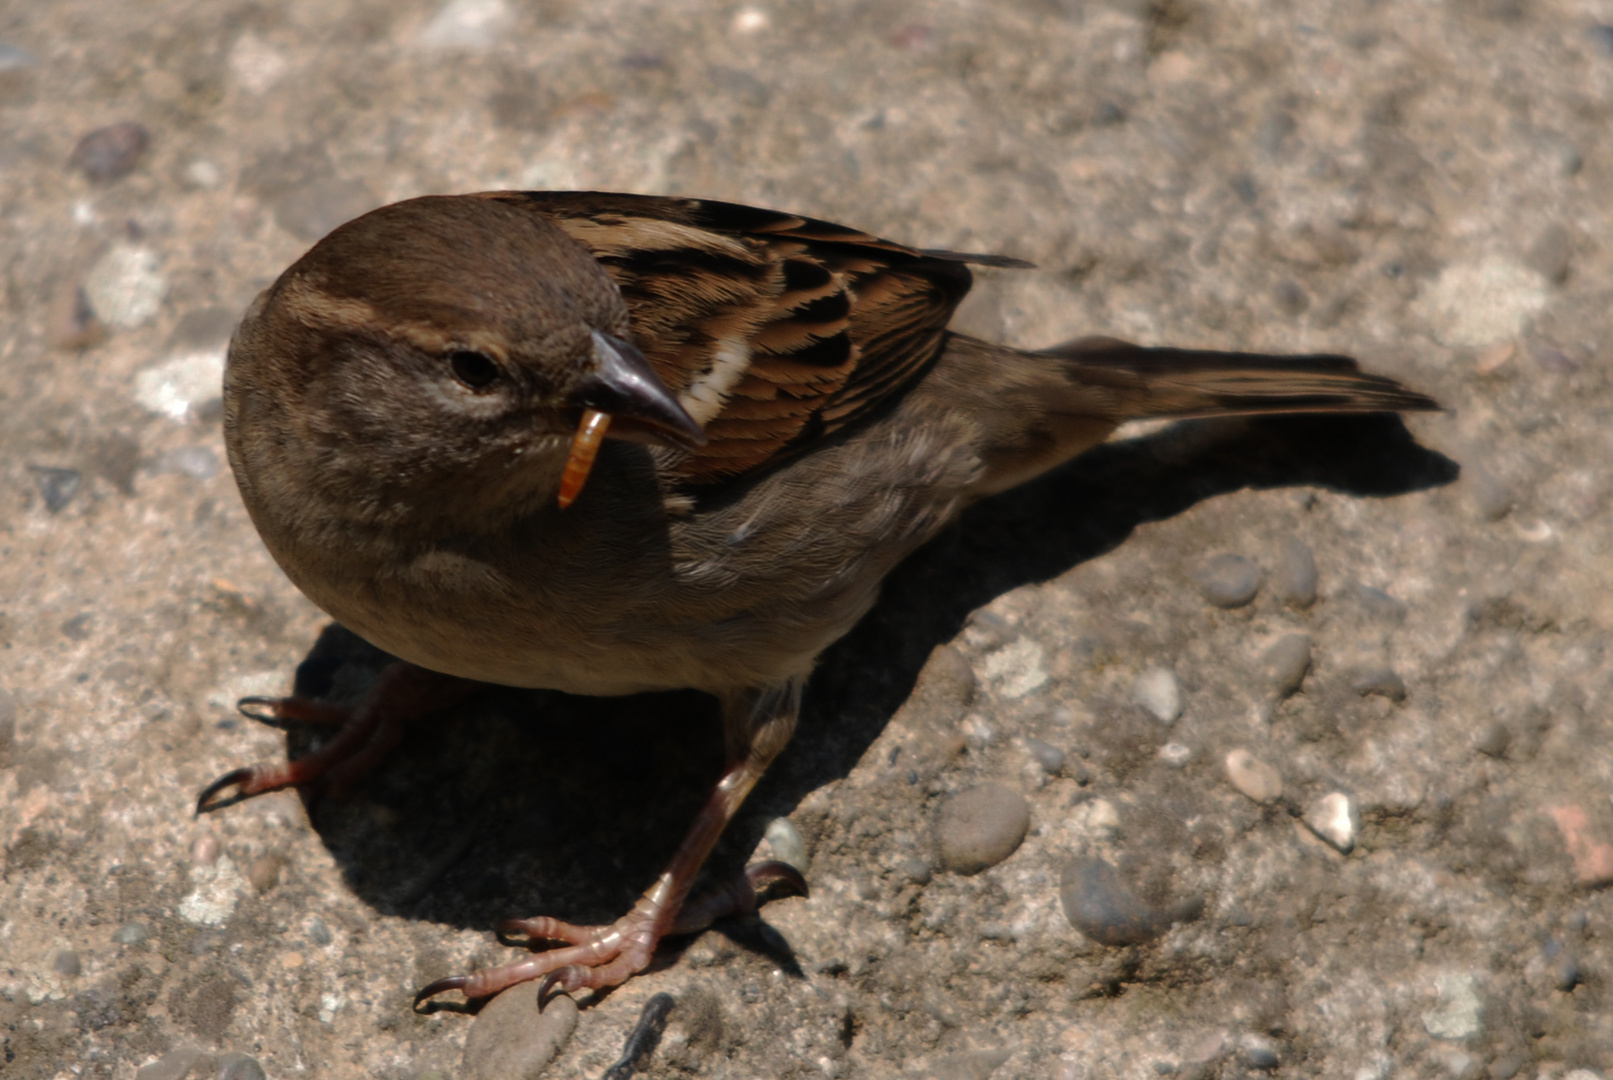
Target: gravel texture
{"points": [[1426, 894]]}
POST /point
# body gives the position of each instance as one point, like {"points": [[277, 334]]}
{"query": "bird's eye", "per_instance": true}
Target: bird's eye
{"points": [[476, 370]]}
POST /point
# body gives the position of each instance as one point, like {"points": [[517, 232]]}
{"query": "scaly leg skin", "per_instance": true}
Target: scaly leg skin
{"points": [[367, 732], [757, 725]]}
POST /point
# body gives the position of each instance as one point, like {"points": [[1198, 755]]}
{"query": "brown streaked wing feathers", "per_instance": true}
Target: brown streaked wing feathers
{"points": [[836, 320]]}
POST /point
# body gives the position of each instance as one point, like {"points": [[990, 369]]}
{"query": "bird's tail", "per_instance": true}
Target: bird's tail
{"points": [[1034, 410]]}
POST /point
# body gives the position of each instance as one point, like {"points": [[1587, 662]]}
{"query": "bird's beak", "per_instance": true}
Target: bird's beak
{"points": [[624, 387], [622, 398]]}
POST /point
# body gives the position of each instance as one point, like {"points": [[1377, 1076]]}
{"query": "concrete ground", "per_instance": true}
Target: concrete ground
{"points": [[1358, 826]]}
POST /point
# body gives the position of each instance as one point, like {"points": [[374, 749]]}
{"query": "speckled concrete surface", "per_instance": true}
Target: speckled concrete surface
{"points": [[1364, 834]]}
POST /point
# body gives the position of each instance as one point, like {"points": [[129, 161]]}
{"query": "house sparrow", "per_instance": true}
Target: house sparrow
{"points": [[615, 443]]}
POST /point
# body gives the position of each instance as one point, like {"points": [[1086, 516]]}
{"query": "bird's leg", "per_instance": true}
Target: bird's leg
{"points": [[757, 724], [366, 733]]}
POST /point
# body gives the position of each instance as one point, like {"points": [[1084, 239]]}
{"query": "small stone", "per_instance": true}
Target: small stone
{"points": [[110, 153], [1294, 580], [68, 964], [787, 843], [308, 211], [318, 932], [1472, 305], [1565, 974], [1493, 359], [981, 827], [1506, 1066], [1551, 252], [1049, 757], [184, 385], [1286, 662], [131, 933], [204, 852], [465, 24], [57, 486], [264, 872], [1459, 1012], [1176, 755], [1383, 681], [1229, 581], [1591, 853], [1259, 1052], [1017, 668], [1377, 604], [1099, 905], [126, 286], [1491, 497], [968, 1065], [511, 1040], [176, 1064], [235, 1066], [1253, 777], [1333, 817], [70, 321], [203, 174], [1495, 740], [1157, 690], [80, 627]]}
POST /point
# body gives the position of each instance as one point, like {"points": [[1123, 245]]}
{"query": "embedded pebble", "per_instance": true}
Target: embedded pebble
{"points": [[1157, 690], [309, 211], [110, 153], [465, 24], [1294, 580], [67, 963], [511, 1040], [186, 384], [1550, 253], [126, 286], [1259, 1052], [1176, 754], [1472, 305], [318, 932], [1017, 668], [1495, 740], [131, 933], [264, 872], [70, 321], [787, 844], [1229, 581], [1286, 662], [235, 1066], [1048, 756], [1383, 681], [176, 1064], [1099, 905], [57, 486], [1459, 1012], [968, 1065], [204, 852], [1253, 777], [981, 827], [1333, 817], [1377, 604]]}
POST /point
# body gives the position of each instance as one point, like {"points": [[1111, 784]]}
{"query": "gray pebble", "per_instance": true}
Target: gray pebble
{"points": [[1229, 581], [1294, 580], [176, 1064], [968, 1065], [1565, 974], [1550, 253], [1383, 681], [511, 1040], [917, 869], [981, 827], [318, 932], [788, 845], [1253, 777], [1048, 756], [1495, 740], [1506, 1067], [58, 486], [67, 963], [1101, 907], [131, 933], [110, 153], [1335, 819], [1601, 36], [1379, 605], [1260, 1052], [234, 1066], [1286, 662], [309, 211]]}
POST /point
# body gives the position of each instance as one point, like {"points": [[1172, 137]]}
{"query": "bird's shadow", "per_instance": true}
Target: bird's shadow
{"points": [[524, 802]]}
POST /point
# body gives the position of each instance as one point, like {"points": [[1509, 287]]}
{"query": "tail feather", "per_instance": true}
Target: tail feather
{"points": [[1184, 383]]}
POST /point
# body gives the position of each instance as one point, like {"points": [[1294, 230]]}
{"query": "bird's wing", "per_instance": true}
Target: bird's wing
{"points": [[774, 330]]}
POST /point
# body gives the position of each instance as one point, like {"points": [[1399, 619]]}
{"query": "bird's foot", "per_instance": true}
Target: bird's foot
{"points": [[598, 957], [365, 734]]}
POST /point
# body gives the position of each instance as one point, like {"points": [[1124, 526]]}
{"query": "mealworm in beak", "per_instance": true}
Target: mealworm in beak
{"points": [[584, 448]]}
